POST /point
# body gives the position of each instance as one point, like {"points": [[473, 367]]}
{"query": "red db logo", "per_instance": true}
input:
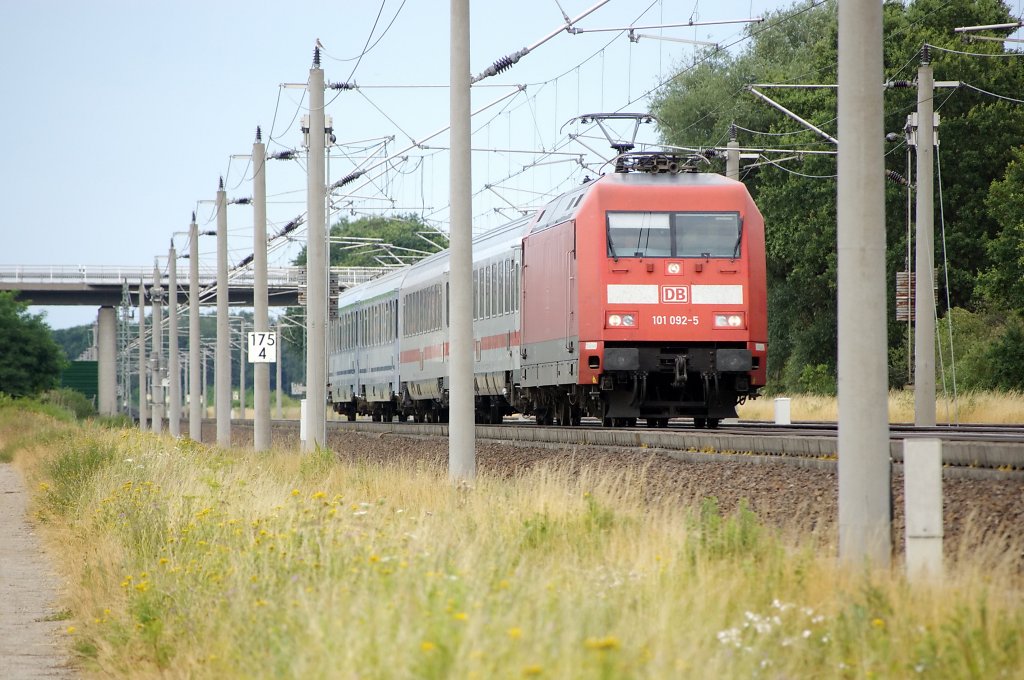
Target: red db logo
{"points": [[675, 294]]}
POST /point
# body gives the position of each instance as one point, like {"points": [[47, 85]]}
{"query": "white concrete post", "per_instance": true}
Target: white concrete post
{"points": [[196, 387], [261, 320], [173, 362], [222, 361], [922, 496], [280, 360], [106, 341], [865, 530], [732, 156], [157, 335], [316, 265], [462, 429], [924, 259], [782, 413]]}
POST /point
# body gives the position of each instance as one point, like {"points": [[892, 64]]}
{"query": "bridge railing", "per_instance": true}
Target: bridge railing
{"points": [[277, 277]]}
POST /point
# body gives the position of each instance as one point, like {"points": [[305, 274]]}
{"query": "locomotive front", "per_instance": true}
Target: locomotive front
{"points": [[677, 264]]}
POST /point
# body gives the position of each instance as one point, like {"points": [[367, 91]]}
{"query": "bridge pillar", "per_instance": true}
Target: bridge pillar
{"points": [[106, 342]]}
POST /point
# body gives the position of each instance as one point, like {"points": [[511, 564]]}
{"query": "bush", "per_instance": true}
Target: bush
{"points": [[75, 402]]}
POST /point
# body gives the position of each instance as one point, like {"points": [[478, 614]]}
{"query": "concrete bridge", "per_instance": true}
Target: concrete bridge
{"points": [[104, 286], [108, 287]]}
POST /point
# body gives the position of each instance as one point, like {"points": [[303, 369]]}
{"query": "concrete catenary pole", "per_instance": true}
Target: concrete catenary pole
{"points": [[157, 336], [461, 431], [143, 404], [924, 261], [106, 342], [196, 392], [864, 522], [316, 265], [261, 301], [732, 156], [222, 360], [280, 360], [173, 363], [242, 361]]}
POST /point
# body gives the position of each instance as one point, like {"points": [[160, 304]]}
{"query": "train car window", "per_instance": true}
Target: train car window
{"points": [[501, 287], [639, 234], [683, 234], [708, 234], [493, 302], [515, 286]]}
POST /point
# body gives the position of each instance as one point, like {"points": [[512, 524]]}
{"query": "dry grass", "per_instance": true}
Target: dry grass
{"points": [[973, 407], [183, 561]]}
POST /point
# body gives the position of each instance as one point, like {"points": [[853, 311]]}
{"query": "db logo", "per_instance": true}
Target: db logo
{"points": [[675, 294]]}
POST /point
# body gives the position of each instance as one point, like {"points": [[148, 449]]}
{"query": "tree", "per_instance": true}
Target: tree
{"points": [[30, 360], [74, 340], [978, 133], [408, 233]]}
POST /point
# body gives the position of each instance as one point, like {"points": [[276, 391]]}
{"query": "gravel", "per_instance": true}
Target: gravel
{"points": [[986, 511], [977, 513]]}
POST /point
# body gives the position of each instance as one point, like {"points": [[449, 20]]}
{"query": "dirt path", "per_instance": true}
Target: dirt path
{"points": [[30, 646]]}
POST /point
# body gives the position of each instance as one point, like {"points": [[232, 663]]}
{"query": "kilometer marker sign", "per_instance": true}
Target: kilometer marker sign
{"points": [[262, 348]]}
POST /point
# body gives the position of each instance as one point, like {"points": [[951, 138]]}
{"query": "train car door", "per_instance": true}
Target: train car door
{"points": [[549, 315]]}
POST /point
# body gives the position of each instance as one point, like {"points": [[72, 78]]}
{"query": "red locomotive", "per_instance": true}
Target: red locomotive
{"points": [[639, 295]]}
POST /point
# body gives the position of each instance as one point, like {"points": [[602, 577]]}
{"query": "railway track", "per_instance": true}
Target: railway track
{"points": [[967, 451]]}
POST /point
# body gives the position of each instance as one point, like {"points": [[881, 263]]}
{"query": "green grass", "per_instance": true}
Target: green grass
{"points": [[189, 562]]}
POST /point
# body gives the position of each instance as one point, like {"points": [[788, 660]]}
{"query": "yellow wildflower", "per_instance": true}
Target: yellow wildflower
{"points": [[607, 642], [515, 633], [534, 669], [427, 646]]}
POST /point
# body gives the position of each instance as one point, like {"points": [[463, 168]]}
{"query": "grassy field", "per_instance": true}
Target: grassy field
{"points": [[972, 407], [183, 561]]}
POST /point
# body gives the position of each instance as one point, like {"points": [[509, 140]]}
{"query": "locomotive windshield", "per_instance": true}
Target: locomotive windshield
{"points": [[674, 234]]}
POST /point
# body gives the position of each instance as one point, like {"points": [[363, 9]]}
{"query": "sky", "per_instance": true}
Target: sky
{"points": [[120, 116]]}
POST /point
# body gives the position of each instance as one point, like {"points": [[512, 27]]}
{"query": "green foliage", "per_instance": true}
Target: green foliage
{"points": [[74, 340], [983, 205], [71, 472], [409, 235], [1002, 283], [70, 400], [727, 537], [1006, 356], [30, 360]]}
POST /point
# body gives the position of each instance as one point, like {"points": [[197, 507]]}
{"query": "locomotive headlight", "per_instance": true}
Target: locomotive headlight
{"points": [[621, 320], [730, 320]]}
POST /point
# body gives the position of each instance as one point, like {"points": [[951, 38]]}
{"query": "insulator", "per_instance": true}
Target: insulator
{"points": [[896, 178], [259, 135], [220, 183], [316, 57], [193, 215], [900, 84], [349, 178], [502, 64], [926, 55]]}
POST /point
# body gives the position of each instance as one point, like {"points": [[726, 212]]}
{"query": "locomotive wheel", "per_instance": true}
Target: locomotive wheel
{"points": [[351, 416], [417, 417], [713, 423], [700, 423], [375, 417], [606, 422]]}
